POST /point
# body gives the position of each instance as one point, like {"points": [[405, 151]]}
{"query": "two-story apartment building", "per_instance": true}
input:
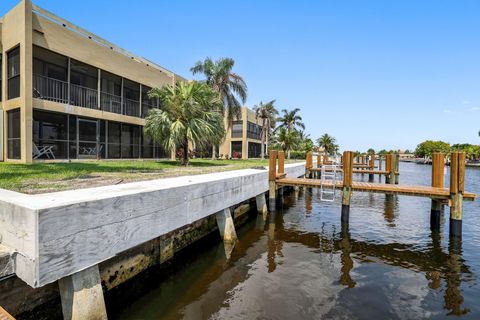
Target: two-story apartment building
{"points": [[69, 94], [243, 138]]}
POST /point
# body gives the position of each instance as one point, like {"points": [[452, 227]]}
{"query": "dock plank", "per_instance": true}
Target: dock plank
{"points": [[4, 315], [357, 171], [401, 189]]}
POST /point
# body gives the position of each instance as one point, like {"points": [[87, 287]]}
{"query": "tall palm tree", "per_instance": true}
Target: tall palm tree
{"points": [[328, 143], [287, 139], [190, 113], [291, 120], [268, 114], [231, 87]]}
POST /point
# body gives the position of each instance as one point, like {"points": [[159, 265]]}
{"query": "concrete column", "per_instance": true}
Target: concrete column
{"points": [[226, 226], [261, 204], [82, 295]]}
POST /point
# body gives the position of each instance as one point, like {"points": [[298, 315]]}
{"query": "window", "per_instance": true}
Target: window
{"points": [[254, 150], [236, 149], [253, 131], [237, 129], [13, 134], [13, 73]]}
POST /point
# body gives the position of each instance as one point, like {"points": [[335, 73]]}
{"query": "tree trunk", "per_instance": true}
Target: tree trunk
{"points": [[288, 154], [213, 152], [262, 148], [185, 153], [267, 137]]}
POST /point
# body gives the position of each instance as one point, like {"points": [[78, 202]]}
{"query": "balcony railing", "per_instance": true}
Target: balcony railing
{"points": [[131, 107], [110, 102], [50, 89], [146, 107], [83, 97]]}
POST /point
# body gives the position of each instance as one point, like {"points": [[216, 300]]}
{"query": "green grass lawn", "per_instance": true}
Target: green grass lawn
{"points": [[48, 177]]}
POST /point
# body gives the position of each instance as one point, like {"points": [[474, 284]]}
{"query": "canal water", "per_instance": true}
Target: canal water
{"points": [[301, 263]]}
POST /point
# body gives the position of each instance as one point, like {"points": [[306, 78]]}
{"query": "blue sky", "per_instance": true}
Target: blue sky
{"points": [[381, 74]]}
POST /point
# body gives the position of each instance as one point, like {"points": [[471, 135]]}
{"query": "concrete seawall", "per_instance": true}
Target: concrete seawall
{"points": [[53, 236]]}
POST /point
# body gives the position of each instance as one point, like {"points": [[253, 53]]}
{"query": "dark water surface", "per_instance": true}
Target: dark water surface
{"points": [[302, 264]]}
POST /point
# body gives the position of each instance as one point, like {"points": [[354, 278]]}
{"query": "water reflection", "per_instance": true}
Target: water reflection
{"points": [[347, 261], [300, 258]]}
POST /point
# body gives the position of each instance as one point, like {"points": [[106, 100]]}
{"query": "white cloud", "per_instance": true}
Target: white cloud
{"points": [[447, 111], [466, 102], [473, 109]]}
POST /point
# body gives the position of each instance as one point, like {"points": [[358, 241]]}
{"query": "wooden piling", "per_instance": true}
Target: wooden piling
{"points": [[308, 165], [438, 178], [372, 166], [272, 175], [397, 168], [457, 185], [281, 162], [388, 167], [348, 157], [380, 162]]}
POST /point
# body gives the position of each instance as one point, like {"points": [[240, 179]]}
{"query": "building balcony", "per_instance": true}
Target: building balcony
{"points": [[131, 107], [83, 97], [50, 89], [110, 102]]}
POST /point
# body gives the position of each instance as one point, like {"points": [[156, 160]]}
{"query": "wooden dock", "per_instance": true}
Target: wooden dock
{"points": [[400, 189], [367, 171], [453, 196], [4, 315]]}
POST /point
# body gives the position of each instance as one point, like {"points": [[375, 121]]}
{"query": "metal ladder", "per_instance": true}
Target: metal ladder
{"points": [[329, 173]]}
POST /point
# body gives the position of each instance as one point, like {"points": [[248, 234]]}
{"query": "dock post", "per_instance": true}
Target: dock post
{"points": [[319, 166], [261, 204], [281, 162], [308, 165], [397, 167], [347, 185], [457, 184], [380, 162], [438, 181], [226, 226], [388, 167], [82, 295], [372, 166], [393, 166], [272, 176]]}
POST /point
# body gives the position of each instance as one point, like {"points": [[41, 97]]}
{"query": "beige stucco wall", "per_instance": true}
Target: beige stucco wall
{"points": [[17, 31]]}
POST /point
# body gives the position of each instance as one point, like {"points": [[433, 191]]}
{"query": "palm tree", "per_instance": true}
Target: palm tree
{"points": [[268, 114], [229, 85], [291, 120], [287, 139], [328, 143], [190, 113]]}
